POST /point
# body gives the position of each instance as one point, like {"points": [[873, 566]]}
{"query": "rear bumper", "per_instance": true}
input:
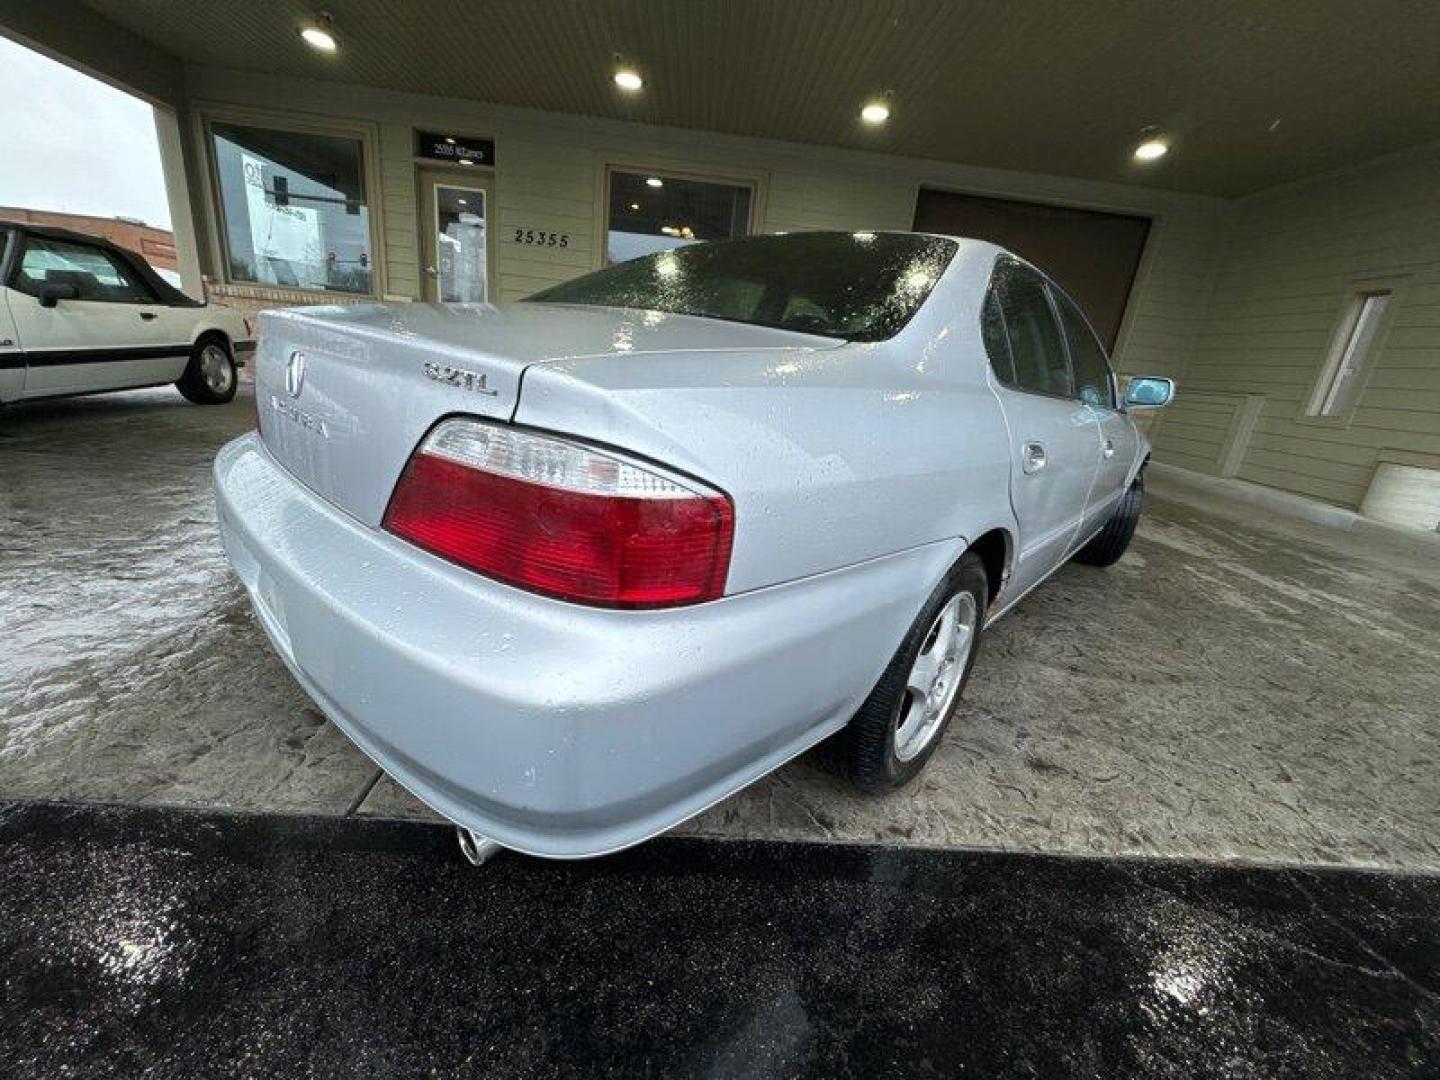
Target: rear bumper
{"points": [[554, 729]]}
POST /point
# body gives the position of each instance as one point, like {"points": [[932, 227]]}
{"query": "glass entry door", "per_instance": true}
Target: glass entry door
{"points": [[455, 243]]}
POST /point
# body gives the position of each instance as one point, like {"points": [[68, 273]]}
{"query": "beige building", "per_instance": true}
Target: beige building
{"points": [[1283, 263]]}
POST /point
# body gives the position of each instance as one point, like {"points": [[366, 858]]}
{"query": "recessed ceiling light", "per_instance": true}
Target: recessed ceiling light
{"points": [[317, 38], [634, 206], [320, 34], [654, 181], [628, 80], [449, 140], [876, 112], [462, 202], [1153, 148], [466, 161]]}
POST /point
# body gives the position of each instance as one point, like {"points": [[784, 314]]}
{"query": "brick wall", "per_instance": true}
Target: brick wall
{"points": [[155, 244]]}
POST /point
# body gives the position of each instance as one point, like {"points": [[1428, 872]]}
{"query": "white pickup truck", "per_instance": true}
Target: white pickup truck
{"points": [[79, 315]]}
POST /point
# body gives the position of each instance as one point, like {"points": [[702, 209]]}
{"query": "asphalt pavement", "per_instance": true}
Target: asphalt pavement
{"points": [[170, 943]]}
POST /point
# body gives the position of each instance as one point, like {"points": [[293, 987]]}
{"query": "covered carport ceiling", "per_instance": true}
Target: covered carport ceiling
{"points": [[1253, 92]]}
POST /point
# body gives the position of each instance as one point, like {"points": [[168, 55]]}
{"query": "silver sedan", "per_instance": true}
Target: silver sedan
{"points": [[575, 569]]}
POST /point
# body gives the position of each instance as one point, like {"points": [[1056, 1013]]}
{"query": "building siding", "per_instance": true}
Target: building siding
{"points": [[1171, 294], [1293, 257], [397, 192]]}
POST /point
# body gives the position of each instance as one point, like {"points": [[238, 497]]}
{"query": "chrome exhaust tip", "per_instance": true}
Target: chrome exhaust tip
{"points": [[477, 849]]}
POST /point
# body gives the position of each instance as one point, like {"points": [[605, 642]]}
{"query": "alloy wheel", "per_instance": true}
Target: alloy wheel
{"points": [[935, 677]]}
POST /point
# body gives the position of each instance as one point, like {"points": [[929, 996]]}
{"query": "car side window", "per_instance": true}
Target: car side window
{"points": [[96, 274], [997, 345], [1038, 351], [1091, 370]]}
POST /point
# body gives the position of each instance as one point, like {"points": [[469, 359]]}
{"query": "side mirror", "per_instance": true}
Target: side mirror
{"points": [[1149, 392], [52, 292]]}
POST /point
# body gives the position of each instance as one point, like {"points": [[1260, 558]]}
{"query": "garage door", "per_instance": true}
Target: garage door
{"points": [[1092, 255]]}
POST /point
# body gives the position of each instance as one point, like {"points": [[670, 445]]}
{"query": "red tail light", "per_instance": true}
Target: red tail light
{"points": [[562, 519]]}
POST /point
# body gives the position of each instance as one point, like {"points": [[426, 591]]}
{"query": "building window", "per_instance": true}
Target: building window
{"points": [[653, 211], [293, 208], [1339, 386]]}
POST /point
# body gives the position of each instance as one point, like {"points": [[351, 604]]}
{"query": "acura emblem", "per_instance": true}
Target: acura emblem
{"points": [[295, 374]]}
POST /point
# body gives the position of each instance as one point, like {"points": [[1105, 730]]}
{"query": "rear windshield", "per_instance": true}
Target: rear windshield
{"points": [[856, 286]]}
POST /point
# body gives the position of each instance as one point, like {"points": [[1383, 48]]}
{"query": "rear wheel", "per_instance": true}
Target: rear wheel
{"points": [[210, 377], [897, 729], [1106, 546]]}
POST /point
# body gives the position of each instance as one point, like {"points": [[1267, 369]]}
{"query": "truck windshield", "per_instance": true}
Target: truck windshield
{"points": [[855, 286]]}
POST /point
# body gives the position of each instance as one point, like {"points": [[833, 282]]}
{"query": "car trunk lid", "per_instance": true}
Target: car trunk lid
{"points": [[346, 392]]}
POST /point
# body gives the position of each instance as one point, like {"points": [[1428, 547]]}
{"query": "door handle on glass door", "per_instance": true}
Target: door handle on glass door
{"points": [[1032, 458], [1109, 448]]}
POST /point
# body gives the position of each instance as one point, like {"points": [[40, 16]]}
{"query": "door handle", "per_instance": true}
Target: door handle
{"points": [[1032, 458], [1109, 448], [147, 315]]}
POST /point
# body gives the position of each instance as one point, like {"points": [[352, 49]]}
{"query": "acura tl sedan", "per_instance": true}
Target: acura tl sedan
{"points": [[575, 569]]}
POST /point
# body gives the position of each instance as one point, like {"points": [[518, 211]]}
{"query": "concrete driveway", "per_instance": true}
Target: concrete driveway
{"points": [[1237, 687]]}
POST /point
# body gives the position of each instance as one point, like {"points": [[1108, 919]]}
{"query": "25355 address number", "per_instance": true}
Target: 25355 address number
{"points": [[541, 238]]}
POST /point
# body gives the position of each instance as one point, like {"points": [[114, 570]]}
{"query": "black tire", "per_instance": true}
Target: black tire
{"points": [[868, 744], [211, 377], [1106, 546]]}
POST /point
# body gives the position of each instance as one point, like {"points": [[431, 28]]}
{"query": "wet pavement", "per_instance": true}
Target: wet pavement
{"points": [[1234, 688], [132, 668], [181, 944]]}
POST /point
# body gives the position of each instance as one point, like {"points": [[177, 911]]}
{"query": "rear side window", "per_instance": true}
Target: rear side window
{"points": [[96, 274], [997, 345], [1087, 358], [1036, 347]]}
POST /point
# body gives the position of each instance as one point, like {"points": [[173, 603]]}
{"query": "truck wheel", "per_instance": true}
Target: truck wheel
{"points": [[1106, 546], [897, 729], [210, 377]]}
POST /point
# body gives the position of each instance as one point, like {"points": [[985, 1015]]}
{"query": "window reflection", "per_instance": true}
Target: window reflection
{"points": [[460, 243], [294, 208], [652, 212]]}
